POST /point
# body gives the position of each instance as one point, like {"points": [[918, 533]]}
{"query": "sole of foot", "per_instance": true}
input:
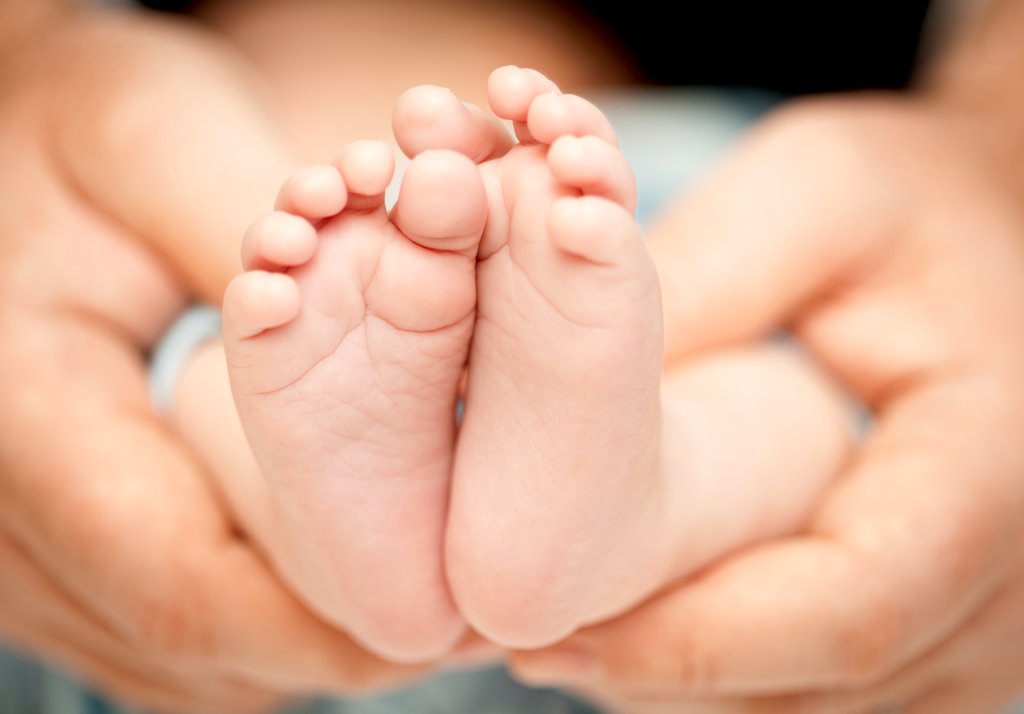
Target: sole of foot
{"points": [[557, 455], [346, 338]]}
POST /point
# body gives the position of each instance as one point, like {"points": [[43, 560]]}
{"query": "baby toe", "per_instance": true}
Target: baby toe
{"points": [[367, 168], [258, 301], [313, 192], [442, 204], [428, 117], [554, 115], [595, 229], [595, 168], [511, 90], [278, 240]]}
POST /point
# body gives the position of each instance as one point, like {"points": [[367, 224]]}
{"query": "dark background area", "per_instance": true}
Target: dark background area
{"points": [[792, 46]]}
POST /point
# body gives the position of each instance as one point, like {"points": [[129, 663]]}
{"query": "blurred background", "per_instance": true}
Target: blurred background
{"points": [[792, 47]]}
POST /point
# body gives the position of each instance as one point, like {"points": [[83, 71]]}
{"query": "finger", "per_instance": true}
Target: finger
{"points": [[911, 543], [912, 539], [136, 691], [119, 517], [207, 171], [40, 618], [29, 596], [983, 656], [983, 695], [121, 683], [750, 246]]}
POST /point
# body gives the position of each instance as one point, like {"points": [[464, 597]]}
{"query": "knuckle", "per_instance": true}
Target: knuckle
{"points": [[176, 627], [868, 650], [973, 535], [683, 660], [825, 134], [72, 518], [696, 667]]}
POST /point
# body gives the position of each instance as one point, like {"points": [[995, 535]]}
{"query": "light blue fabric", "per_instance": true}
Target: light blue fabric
{"points": [[672, 136], [29, 688], [194, 327]]}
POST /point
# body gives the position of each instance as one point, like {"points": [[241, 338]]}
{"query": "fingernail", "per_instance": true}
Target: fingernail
{"points": [[558, 665]]}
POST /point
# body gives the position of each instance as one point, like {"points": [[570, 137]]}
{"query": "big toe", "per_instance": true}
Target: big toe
{"points": [[442, 204], [429, 117]]}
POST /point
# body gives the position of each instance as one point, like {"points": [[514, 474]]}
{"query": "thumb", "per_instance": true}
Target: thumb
{"points": [[791, 211]]}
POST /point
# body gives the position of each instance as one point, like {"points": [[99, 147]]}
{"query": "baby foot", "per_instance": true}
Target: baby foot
{"points": [[346, 339], [556, 459]]}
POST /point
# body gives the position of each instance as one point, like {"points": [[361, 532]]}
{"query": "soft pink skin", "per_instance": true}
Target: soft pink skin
{"points": [[343, 350], [345, 357], [345, 368], [562, 407], [574, 493], [584, 482], [133, 160], [882, 236]]}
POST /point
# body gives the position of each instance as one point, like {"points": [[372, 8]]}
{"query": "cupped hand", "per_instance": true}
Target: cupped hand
{"points": [[119, 560], [872, 229]]}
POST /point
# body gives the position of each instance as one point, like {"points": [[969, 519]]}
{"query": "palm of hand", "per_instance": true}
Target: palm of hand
{"points": [[126, 567], [870, 229]]}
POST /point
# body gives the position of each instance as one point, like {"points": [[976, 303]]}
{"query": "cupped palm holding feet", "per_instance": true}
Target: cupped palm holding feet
{"points": [[578, 482]]}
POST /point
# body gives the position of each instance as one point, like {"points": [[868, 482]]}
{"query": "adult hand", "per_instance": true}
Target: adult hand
{"points": [[872, 230], [119, 560]]}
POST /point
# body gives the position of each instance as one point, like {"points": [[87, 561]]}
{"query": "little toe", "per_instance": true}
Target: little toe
{"points": [[366, 168], [313, 192], [428, 117], [554, 115], [278, 240], [595, 167], [595, 230], [442, 204], [257, 301]]}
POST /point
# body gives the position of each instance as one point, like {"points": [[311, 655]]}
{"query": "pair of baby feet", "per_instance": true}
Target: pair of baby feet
{"points": [[510, 272]]}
